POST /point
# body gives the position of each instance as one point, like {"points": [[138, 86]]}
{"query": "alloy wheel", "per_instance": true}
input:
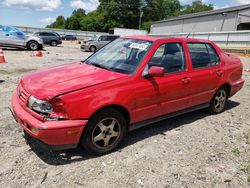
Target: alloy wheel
{"points": [[106, 133], [220, 100]]}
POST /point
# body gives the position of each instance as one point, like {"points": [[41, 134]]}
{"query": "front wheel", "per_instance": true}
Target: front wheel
{"points": [[33, 45], [92, 48], [104, 132], [53, 43], [218, 103]]}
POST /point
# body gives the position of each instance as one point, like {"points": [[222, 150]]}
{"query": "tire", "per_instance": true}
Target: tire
{"points": [[218, 102], [104, 132], [53, 43], [33, 45], [92, 48]]}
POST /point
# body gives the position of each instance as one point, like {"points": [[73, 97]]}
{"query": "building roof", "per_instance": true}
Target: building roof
{"points": [[206, 13]]}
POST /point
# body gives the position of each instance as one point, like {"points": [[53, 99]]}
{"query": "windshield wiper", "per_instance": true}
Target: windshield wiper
{"points": [[100, 66]]}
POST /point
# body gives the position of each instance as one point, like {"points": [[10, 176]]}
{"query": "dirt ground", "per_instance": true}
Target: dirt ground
{"points": [[192, 150]]}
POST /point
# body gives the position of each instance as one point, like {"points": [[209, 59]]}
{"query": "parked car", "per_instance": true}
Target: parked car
{"points": [[130, 83], [51, 38], [12, 37], [98, 42], [69, 37]]}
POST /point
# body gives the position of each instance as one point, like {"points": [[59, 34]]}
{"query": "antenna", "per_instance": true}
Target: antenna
{"points": [[192, 30]]}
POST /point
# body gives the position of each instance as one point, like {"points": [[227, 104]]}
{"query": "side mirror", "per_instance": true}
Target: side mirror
{"points": [[155, 71]]}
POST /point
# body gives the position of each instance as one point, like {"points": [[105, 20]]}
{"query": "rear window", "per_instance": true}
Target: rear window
{"points": [[203, 55]]}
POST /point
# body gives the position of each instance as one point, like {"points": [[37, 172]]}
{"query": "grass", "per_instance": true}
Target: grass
{"points": [[247, 136], [248, 179], [236, 152]]}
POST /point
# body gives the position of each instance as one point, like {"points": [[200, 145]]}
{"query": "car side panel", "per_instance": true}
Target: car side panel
{"points": [[82, 104]]}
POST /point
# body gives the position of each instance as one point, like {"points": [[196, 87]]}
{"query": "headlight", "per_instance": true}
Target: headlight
{"points": [[39, 105]]}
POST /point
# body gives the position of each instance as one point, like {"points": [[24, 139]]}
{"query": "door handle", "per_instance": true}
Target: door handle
{"points": [[186, 80], [219, 72]]}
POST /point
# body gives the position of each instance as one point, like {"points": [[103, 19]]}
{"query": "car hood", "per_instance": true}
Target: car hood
{"points": [[48, 83]]}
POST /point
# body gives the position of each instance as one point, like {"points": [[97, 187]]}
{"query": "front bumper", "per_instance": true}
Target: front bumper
{"points": [[61, 134], [85, 47]]}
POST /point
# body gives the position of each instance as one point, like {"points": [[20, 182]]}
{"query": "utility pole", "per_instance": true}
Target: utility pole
{"points": [[141, 14]]}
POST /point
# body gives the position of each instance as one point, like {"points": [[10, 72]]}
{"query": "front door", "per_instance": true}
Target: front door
{"points": [[157, 96]]}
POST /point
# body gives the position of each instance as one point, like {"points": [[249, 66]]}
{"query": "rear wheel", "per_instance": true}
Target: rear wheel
{"points": [[218, 103], [53, 43], [33, 45], [104, 132], [92, 48]]}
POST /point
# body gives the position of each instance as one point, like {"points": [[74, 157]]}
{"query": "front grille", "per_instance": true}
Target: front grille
{"points": [[23, 96]]}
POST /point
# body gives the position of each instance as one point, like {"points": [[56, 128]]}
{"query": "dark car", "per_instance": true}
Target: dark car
{"points": [[50, 38], [69, 37]]}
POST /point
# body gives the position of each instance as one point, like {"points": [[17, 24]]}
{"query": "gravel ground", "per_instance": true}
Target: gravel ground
{"points": [[192, 150]]}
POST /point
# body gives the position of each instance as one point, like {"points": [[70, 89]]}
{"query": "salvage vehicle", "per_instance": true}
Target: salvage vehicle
{"points": [[12, 37], [97, 42], [130, 83]]}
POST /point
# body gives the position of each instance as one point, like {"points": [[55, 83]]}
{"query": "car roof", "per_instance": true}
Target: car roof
{"points": [[154, 38]]}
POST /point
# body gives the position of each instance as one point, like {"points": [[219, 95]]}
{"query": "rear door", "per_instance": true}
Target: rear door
{"points": [[206, 72]]}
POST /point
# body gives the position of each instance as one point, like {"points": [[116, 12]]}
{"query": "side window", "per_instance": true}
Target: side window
{"points": [[42, 34], [214, 58], [203, 55], [170, 56], [51, 34], [199, 55], [104, 38]]}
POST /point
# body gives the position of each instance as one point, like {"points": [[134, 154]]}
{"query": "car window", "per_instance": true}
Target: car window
{"points": [[104, 38], [202, 55], [121, 55], [214, 58], [170, 56]]}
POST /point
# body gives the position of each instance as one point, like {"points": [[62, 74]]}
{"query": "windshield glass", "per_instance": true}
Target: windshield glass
{"points": [[121, 55], [94, 38]]}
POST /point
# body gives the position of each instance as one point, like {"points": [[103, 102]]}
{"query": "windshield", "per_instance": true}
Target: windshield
{"points": [[94, 38], [121, 55]]}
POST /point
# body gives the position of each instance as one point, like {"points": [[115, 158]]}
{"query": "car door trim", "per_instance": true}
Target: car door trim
{"points": [[167, 116]]}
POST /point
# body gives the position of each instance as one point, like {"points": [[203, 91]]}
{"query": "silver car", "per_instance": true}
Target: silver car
{"points": [[98, 41], [15, 38]]}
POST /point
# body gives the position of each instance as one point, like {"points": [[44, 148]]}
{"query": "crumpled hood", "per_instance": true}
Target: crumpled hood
{"points": [[48, 83]]}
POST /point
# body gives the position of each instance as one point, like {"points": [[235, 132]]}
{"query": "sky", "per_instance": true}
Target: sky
{"points": [[39, 13]]}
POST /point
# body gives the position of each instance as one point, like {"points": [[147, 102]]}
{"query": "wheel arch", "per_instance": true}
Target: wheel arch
{"points": [[117, 107], [27, 43], [227, 86]]}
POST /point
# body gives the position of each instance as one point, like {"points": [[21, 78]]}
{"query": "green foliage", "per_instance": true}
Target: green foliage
{"points": [[59, 23], [247, 136], [146, 25], [196, 6], [126, 14], [236, 152]]}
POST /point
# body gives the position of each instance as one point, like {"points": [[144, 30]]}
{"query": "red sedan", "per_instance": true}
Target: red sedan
{"points": [[131, 82]]}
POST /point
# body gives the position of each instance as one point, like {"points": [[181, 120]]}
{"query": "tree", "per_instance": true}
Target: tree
{"points": [[160, 9], [126, 13], [73, 22], [196, 6], [59, 23]]}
